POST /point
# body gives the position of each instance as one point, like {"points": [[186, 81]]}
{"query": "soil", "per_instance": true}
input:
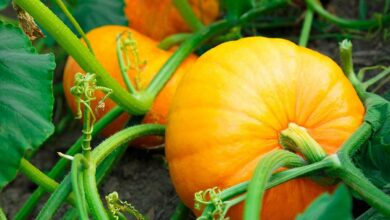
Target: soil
{"points": [[141, 177]]}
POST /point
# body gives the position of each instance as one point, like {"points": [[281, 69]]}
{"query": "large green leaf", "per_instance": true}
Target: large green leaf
{"points": [[3, 4], [336, 206], [387, 96], [92, 13], [96, 13], [26, 100], [374, 157]]}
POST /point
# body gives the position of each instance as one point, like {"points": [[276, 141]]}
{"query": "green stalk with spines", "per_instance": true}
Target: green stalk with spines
{"points": [[305, 32], [75, 24], [56, 199], [347, 65], [173, 40], [262, 173], [59, 168], [347, 23], [51, 23], [276, 179], [188, 14], [78, 186]]}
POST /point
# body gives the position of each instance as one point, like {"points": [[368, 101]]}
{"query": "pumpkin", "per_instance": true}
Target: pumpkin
{"points": [[229, 110], [103, 42], [160, 19]]}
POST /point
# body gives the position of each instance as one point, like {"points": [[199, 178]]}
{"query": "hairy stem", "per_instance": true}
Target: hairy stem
{"points": [[37, 176], [278, 178], [355, 179], [264, 169], [56, 199], [305, 32], [377, 78], [91, 193], [315, 5], [59, 168], [78, 187], [188, 14], [75, 24], [173, 40], [122, 137], [347, 64], [64, 36]]}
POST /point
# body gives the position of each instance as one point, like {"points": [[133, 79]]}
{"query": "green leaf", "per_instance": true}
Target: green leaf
{"points": [[95, 13], [91, 14], [336, 206], [4, 4], [374, 158], [26, 99], [387, 96], [373, 214]]}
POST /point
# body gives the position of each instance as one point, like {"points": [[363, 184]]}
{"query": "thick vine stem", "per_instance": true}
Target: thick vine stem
{"points": [[380, 76], [91, 193], [122, 137], [356, 140], [173, 40], [75, 24], [56, 171], [355, 179], [105, 149], [298, 139], [264, 169], [347, 64], [305, 32], [188, 14], [315, 5], [78, 187], [55, 200], [37, 176], [277, 178], [136, 105]]}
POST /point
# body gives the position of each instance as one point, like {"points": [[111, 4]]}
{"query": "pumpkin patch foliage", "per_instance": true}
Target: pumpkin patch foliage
{"points": [[194, 109]]}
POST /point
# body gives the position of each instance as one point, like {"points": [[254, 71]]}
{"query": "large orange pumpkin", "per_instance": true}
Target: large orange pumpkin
{"points": [[103, 41], [158, 19], [230, 109]]}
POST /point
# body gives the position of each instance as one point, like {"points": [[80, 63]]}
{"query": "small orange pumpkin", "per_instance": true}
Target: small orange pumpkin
{"points": [[103, 41], [158, 19], [230, 109]]}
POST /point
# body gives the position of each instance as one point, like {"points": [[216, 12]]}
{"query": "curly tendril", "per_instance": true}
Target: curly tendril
{"points": [[117, 206], [84, 91], [211, 196], [126, 49]]}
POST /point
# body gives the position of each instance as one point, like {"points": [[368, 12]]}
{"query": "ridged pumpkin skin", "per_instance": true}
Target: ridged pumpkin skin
{"points": [[158, 19], [230, 109], [103, 41]]}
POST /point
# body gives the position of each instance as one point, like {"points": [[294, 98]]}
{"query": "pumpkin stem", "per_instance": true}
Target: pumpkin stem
{"points": [[298, 139], [269, 163], [347, 64]]}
